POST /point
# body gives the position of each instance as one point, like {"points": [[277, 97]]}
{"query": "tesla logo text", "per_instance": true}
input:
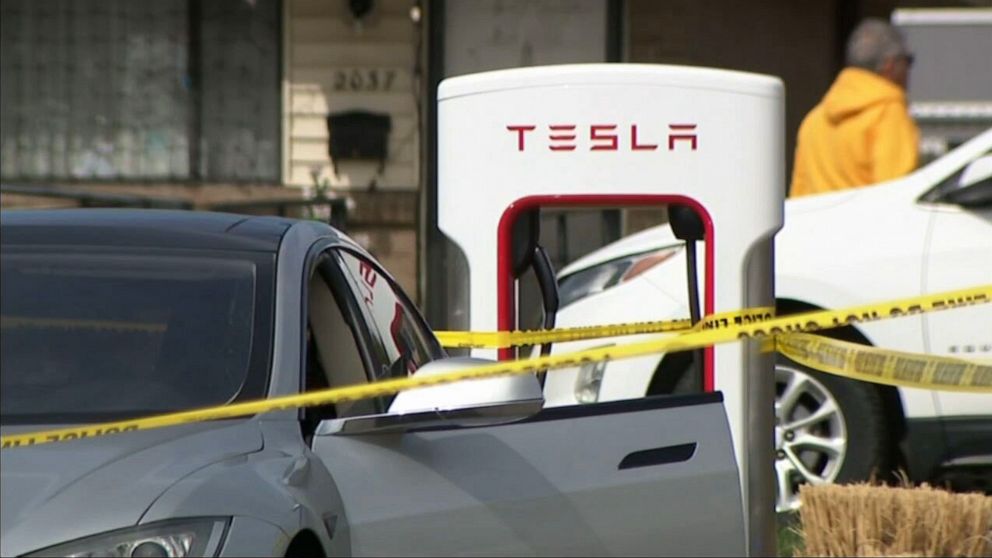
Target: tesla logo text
{"points": [[603, 137], [369, 278]]}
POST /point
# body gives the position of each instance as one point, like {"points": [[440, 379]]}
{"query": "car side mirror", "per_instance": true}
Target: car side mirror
{"points": [[468, 403]]}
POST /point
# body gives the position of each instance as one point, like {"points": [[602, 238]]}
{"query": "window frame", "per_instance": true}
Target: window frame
{"points": [[433, 346], [324, 263], [327, 256]]}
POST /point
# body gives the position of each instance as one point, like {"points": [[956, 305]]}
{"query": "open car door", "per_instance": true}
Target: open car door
{"points": [[653, 476]]}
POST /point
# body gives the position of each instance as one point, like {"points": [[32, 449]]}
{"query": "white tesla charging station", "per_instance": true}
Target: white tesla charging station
{"points": [[603, 135]]}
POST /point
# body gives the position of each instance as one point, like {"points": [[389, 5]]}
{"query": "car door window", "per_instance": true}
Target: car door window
{"points": [[951, 183], [342, 348], [405, 339]]}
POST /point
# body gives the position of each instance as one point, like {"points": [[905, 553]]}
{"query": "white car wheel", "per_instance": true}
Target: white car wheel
{"points": [[810, 434], [827, 429]]}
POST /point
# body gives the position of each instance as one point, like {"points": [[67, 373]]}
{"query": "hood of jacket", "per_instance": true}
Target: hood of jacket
{"points": [[856, 90]]}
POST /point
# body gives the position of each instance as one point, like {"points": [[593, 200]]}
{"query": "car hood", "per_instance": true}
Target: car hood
{"points": [[661, 236], [854, 207], [55, 493], [647, 240]]}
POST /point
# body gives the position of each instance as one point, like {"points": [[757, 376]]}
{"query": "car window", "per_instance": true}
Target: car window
{"points": [[952, 182], [407, 342], [101, 336], [341, 346]]}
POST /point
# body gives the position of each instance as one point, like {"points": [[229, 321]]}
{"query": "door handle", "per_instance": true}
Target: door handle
{"points": [[658, 456]]}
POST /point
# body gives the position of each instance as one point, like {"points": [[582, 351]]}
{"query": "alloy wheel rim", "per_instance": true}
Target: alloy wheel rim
{"points": [[810, 434]]}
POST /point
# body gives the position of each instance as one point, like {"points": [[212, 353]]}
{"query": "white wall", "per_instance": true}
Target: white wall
{"points": [[333, 63]]}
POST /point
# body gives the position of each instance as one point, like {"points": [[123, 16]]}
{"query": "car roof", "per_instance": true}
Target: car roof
{"points": [[143, 227]]}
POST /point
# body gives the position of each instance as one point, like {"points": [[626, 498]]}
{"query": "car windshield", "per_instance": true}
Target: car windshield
{"points": [[105, 336]]}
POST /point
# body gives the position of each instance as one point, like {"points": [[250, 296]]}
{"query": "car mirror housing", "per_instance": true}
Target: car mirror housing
{"points": [[469, 393], [467, 403]]}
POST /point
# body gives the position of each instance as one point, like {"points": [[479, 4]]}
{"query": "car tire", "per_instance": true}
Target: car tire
{"points": [[860, 422]]}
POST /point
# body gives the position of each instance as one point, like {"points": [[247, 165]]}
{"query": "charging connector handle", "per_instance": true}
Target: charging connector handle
{"points": [[688, 226]]}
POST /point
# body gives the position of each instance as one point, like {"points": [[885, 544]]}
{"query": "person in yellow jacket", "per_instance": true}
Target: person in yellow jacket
{"points": [[861, 132]]}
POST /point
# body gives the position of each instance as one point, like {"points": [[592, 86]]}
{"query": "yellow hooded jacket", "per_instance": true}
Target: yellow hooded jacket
{"points": [[860, 133]]}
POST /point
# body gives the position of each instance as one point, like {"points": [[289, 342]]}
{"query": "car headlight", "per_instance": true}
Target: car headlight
{"points": [[187, 537], [590, 380], [608, 274]]}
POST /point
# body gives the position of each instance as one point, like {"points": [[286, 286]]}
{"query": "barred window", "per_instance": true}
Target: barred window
{"points": [[171, 90]]}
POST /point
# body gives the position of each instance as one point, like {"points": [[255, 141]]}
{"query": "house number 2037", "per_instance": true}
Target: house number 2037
{"points": [[364, 79]]}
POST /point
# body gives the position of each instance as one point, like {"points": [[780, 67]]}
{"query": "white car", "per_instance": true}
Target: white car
{"points": [[928, 232]]}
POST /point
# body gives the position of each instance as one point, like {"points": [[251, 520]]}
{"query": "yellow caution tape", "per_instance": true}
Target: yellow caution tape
{"points": [[810, 321], [502, 339], [883, 366]]}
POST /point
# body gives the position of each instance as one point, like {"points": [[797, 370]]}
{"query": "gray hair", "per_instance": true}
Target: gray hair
{"points": [[871, 42]]}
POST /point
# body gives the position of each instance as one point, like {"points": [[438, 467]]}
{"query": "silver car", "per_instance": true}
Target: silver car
{"points": [[116, 314]]}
